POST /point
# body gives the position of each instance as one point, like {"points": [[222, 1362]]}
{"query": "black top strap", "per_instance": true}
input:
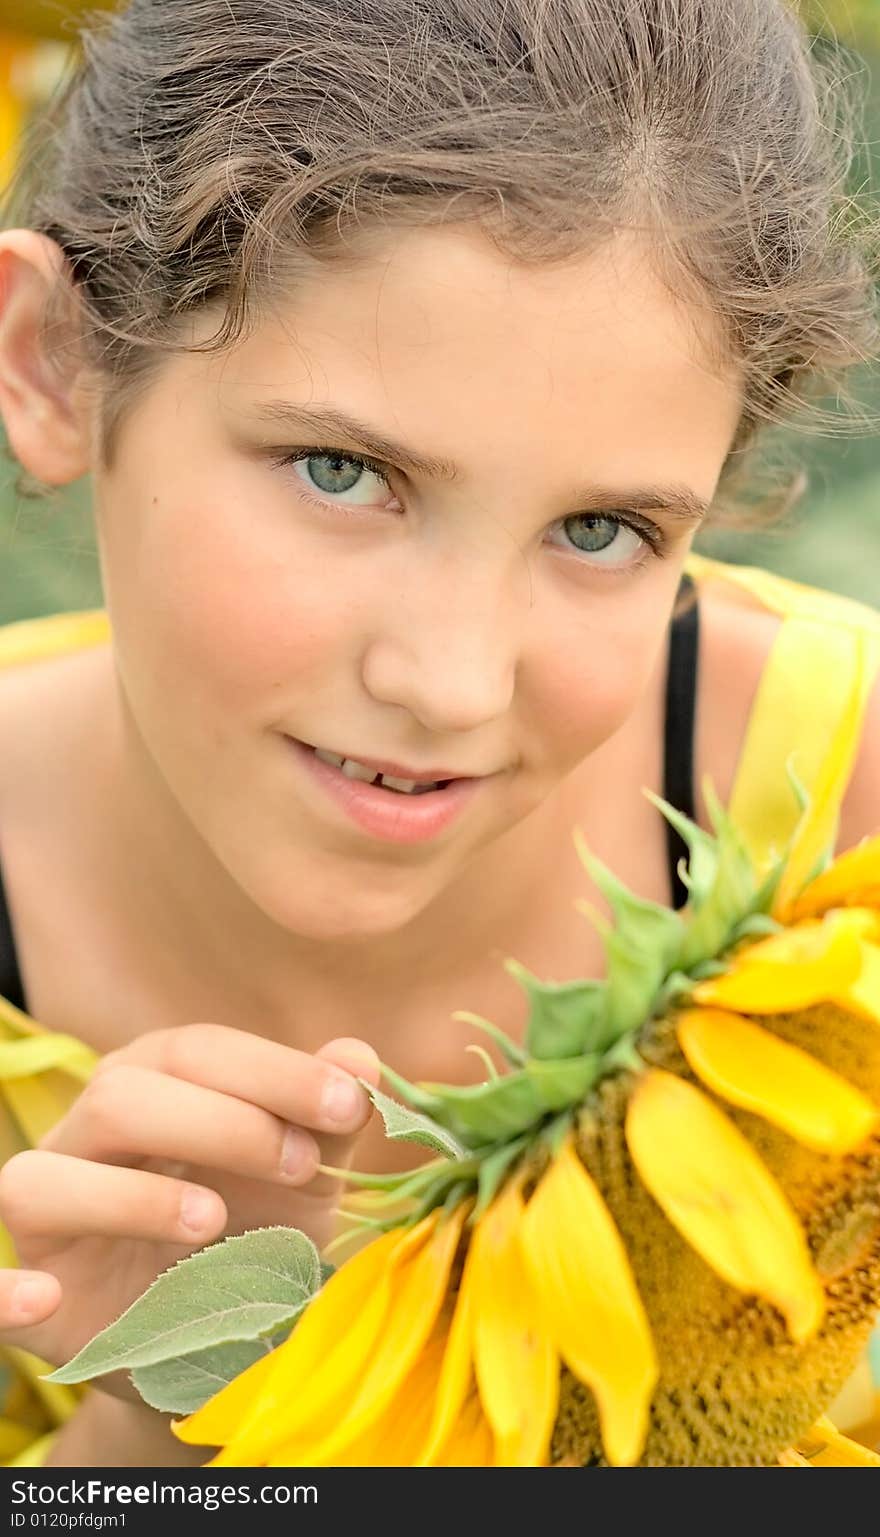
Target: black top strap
{"points": [[681, 700], [11, 986]]}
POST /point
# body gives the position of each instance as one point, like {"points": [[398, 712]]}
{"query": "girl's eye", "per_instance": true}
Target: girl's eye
{"points": [[610, 540], [618, 543], [335, 474]]}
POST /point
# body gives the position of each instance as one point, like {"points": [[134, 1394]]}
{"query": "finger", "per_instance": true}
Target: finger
{"points": [[134, 1113], [27, 1297], [301, 1088], [354, 1056], [361, 1060], [48, 1195]]}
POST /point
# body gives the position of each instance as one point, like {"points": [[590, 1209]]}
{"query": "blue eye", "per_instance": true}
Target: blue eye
{"points": [[612, 540], [333, 473], [615, 542]]}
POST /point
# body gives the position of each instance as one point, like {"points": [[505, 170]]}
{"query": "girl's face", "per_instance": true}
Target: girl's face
{"points": [[498, 611]]}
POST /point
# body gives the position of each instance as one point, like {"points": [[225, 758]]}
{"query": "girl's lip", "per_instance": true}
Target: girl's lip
{"points": [[388, 814]]}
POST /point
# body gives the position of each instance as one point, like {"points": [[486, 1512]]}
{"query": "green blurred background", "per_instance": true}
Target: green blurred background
{"points": [[47, 556]]}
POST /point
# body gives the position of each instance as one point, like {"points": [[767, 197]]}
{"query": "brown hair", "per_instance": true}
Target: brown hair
{"points": [[202, 153]]}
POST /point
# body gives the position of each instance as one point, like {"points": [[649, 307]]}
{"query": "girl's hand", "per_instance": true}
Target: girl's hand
{"points": [[180, 1138]]}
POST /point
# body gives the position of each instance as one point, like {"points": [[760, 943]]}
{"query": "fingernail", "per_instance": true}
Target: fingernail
{"points": [[197, 1210], [298, 1150], [28, 1297], [341, 1100]]}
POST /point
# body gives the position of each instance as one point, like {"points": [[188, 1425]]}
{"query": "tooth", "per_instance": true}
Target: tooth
{"points": [[399, 784], [329, 757], [353, 770]]}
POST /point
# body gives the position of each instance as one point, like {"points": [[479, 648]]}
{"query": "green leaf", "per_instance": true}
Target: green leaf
{"points": [[182, 1385], [405, 1125], [565, 1017], [240, 1289]]}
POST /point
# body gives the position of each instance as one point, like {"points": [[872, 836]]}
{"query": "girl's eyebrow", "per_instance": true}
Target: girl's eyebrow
{"points": [[678, 501]]}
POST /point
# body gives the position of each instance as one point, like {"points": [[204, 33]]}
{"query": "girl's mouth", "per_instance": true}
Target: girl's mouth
{"points": [[402, 811]]}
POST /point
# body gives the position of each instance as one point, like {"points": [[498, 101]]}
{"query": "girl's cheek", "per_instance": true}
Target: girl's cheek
{"points": [[218, 616], [590, 689]]}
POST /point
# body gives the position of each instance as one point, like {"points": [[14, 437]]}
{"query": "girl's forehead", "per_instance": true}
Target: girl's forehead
{"points": [[446, 303]]}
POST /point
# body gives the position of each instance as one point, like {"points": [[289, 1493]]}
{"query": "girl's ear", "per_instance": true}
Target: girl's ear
{"points": [[45, 413]]}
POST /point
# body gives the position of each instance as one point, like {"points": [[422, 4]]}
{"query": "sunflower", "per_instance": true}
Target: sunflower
{"points": [[655, 1238]]}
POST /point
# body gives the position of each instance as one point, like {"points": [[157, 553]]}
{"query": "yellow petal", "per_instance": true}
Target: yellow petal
{"points": [[580, 1272], [227, 1407], [471, 1444], [419, 1285], [396, 1438], [825, 1447], [516, 1363], [852, 880], [805, 965], [757, 1071], [816, 829], [456, 1375], [713, 1187], [318, 1363], [862, 996]]}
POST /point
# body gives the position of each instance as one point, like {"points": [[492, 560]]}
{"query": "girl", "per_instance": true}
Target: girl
{"points": [[407, 347]]}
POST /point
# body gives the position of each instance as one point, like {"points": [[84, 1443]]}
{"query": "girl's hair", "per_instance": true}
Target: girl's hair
{"points": [[206, 153]]}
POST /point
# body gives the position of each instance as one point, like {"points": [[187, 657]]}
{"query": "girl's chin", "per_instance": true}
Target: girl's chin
{"points": [[348, 909]]}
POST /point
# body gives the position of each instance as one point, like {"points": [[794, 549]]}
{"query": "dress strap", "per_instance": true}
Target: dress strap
{"points": [[827, 648], [11, 986], [678, 742]]}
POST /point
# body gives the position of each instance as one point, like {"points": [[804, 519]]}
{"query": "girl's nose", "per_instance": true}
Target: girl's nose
{"points": [[448, 649]]}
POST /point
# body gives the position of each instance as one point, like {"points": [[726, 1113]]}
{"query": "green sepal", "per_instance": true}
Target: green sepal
{"points": [[799, 789], [676, 985], [558, 1085], [623, 1057], [731, 897], [640, 948], [413, 1094], [565, 1018], [555, 1132], [767, 890], [483, 1113], [702, 865], [493, 1168], [458, 1193], [756, 925], [708, 969], [482, 1053], [509, 1050], [389, 1182]]}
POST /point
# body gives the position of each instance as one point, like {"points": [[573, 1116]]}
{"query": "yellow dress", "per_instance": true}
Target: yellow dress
{"points": [[822, 643]]}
